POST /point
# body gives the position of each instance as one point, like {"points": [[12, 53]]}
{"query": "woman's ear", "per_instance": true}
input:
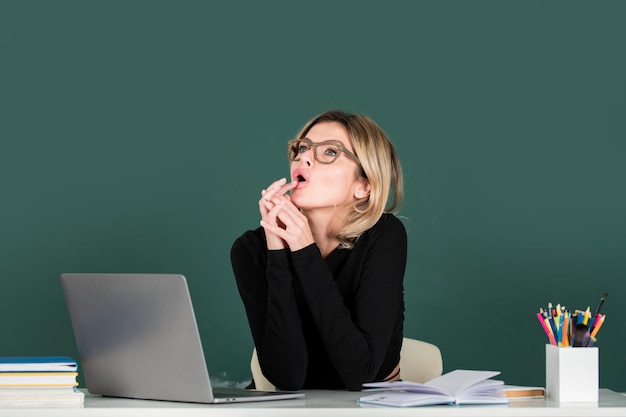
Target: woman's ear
{"points": [[363, 190]]}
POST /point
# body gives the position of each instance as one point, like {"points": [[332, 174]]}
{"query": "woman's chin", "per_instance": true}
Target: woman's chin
{"points": [[296, 199]]}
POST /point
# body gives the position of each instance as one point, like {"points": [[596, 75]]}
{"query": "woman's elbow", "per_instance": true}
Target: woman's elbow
{"points": [[286, 377], [288, 382]]}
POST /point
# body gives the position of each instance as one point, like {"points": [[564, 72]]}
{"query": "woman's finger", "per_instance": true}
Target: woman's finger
{"points": [[273, 188]]}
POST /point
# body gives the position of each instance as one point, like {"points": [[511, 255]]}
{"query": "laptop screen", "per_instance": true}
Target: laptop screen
{"points": [[137, 337]]}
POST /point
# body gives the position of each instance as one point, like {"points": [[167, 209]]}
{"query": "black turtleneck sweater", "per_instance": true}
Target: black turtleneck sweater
{"points": [[325, 323]]}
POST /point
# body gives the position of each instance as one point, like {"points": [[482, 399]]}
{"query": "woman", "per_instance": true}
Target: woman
{"points": [[321, 279]]}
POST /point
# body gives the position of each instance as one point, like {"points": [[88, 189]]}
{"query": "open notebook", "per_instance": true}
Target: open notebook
{"points": [[137, 337], [457, 387]]}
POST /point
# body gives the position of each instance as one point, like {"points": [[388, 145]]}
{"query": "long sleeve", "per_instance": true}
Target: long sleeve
{"points": [[356, 332], [268, 296], [325, 323]]}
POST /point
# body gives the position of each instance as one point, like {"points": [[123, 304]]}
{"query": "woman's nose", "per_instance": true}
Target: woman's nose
{"points": [[307, 157]]}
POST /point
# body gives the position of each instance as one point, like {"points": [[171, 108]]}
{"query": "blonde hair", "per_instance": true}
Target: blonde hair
{"points": [[380, 165]]}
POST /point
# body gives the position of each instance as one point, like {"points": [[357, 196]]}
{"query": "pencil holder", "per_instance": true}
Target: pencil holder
{"points": [[572, 373]]}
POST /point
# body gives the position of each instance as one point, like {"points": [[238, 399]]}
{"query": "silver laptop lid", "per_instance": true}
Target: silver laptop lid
{"points": [[137, 336]]}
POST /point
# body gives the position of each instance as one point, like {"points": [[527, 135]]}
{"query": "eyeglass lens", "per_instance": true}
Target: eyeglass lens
{"points": [[325, 152]]}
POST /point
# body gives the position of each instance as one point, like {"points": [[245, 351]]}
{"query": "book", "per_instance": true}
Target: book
{"points": [[457, 387], [39, 381], [37, 363], [40, 396], [38, 378], [522, 392]]}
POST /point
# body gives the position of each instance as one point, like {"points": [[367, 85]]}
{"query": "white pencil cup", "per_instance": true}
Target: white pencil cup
{"points": [[572, 373]]}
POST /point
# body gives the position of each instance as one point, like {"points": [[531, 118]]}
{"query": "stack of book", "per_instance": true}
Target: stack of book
{"points": [[41, 381]]}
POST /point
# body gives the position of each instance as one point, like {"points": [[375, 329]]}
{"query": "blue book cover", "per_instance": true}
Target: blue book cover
{"points": [[37, 364]]}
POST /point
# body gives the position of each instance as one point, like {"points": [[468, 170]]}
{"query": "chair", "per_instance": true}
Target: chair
{"points": [[419, 362], [260, 382]]}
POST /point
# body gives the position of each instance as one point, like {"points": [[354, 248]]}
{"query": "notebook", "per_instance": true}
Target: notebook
{"points": [[137, 337]]}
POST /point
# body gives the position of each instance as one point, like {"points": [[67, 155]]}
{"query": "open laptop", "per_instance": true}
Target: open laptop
{"points": [[137, 337]]}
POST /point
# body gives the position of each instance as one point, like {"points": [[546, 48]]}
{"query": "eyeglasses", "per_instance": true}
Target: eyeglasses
{"points": [[325, 152]]}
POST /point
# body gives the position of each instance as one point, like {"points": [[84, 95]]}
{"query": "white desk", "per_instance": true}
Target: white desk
{"points": [[329, 403]]}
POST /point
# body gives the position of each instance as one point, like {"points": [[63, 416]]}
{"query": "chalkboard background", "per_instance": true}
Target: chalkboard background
{"points": [[136, 137]]}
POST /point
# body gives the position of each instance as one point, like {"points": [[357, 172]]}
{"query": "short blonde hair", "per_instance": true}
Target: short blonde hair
{"points": [[380, 165]]}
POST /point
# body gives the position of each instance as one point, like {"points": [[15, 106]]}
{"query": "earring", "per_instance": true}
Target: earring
{"points": [[358, 194]]}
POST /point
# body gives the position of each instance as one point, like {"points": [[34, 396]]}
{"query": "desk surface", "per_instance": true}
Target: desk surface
{"points": [[335, 403]]}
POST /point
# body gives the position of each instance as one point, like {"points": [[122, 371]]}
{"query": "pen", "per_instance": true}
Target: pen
{"points": [[576, 328], [597, 310], [597, 324], [564, 330], [546, 329], [550, 323], [586, 317], [595, 313], [570, 328], [580, 316], [591, 342]]}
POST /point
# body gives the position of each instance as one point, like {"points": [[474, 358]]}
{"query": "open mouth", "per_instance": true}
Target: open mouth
{"points": [[300, 176]]}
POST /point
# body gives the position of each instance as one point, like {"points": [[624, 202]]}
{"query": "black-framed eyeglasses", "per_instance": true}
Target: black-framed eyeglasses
{"points": [[325, 152]]}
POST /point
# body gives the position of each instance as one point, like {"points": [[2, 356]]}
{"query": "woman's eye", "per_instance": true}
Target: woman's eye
{"points": [[330, 151]]}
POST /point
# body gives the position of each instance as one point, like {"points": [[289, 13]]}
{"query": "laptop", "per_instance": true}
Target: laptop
{"points": [[137, 337]]}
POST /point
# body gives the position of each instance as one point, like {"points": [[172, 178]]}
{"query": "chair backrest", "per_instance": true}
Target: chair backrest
{"points": [[260, 382], [419, 362]]}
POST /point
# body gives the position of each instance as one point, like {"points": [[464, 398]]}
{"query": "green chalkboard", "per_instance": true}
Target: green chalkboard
{"points": [[136, 137]]}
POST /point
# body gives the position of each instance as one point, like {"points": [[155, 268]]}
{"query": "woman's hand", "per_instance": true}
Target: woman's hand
{"points": [[266, 204], [284, 225]]}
